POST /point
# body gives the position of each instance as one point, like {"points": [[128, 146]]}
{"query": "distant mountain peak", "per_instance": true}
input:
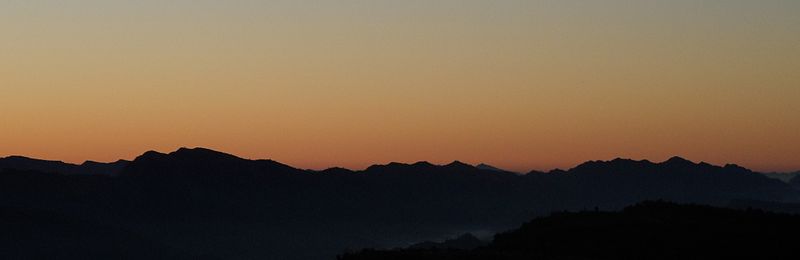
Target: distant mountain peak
{"points": [[202, 162], [150, 154], [487, 167], [195, 150], [423, 163], [421, 166], [458, 163], [200, 151], [395, 164], [678, 160]]}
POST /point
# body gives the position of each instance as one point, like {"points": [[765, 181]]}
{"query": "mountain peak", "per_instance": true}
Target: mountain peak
{"points": [[459, 165], [201, 162], [423, 163], [149, 154], [200, 151], [678, 160]]}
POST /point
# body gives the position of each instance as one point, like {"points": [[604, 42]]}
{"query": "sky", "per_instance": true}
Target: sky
{"points": [[517, 84]]}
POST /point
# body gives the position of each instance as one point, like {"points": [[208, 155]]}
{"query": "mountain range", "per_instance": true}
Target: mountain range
{"points": [[203, 203]]}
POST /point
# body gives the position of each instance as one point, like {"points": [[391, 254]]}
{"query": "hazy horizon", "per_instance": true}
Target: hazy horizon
{"points": [[519, 85]]}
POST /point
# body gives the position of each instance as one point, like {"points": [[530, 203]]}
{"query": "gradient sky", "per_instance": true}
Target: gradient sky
{"points": [[517, 84]]}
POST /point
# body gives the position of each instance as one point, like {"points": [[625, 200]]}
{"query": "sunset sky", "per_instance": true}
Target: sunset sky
{"points": [[517, 84]]}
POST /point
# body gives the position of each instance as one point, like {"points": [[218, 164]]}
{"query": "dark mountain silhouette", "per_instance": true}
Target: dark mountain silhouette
{"points": [[201, 162], [88, 167], [484, 166], [209, 203], [650, 230]]}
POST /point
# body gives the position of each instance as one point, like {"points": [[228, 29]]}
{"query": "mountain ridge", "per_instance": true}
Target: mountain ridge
{"points": [[208, 155]]}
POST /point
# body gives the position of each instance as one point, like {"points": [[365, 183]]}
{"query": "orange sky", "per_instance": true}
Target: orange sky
{"points": [[517, 84]]}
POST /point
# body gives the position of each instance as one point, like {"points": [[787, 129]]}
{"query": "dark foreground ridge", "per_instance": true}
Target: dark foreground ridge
{"points": [[649, 230], [203, 203]]}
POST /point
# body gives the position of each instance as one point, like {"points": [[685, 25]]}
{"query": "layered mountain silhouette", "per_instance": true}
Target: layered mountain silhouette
{"points": [[649, 230], [207, 203]]}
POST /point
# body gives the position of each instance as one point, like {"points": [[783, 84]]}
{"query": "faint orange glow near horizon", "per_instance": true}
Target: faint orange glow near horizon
{"points": [[517, 84]]}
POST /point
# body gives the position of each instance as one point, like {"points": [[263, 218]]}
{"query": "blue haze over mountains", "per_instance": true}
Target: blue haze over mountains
{"points": [[203, 204]]}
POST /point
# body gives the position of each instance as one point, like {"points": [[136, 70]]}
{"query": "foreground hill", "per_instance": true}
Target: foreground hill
{"points": [[650, 230], [209, 203]]}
